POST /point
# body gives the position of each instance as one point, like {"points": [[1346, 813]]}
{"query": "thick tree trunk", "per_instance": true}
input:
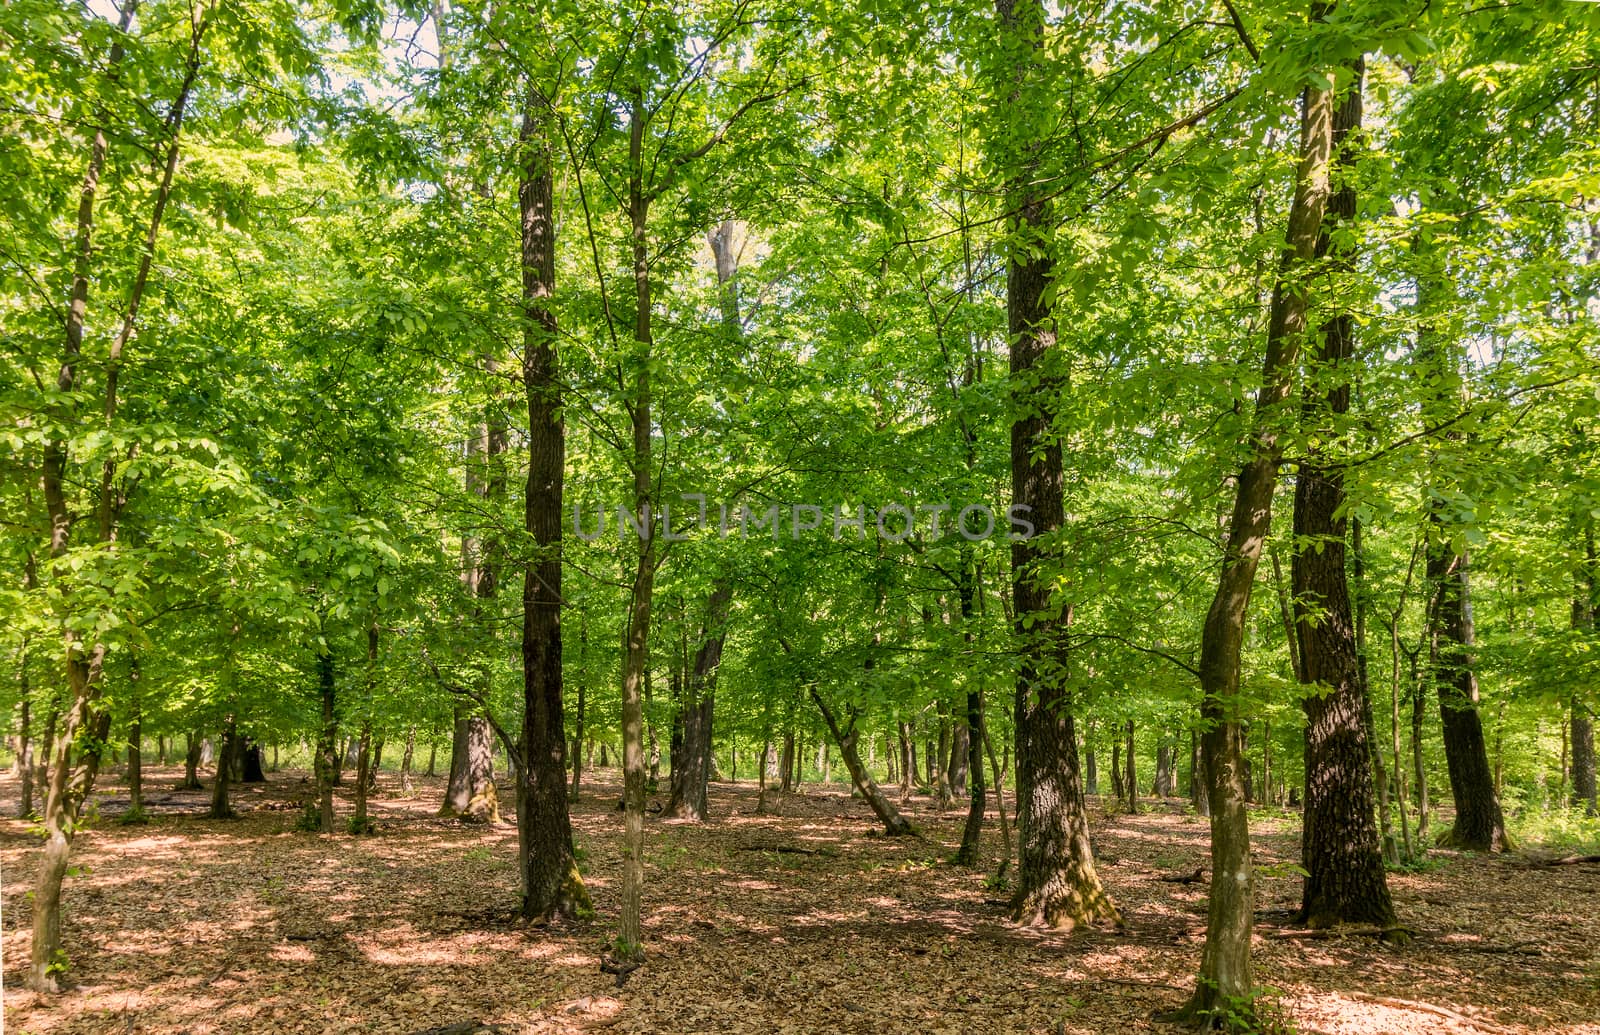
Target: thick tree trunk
{"points": [[551, 884], [469, 792], [1345, 881], [786, 764], [1225, 978], [1479, 825], [192, 743], [250, 770], [1057, 884], [221, 807]]}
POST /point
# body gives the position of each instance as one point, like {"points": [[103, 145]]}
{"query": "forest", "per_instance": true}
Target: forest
{"points": [[738, 515]]}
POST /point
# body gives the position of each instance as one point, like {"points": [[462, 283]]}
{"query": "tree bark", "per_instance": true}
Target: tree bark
{"points": [[1479, 825], [221, 807], [1345, 881], [406, 759], [1580, 728], [551, 884], [1132, 777], [894, 824], [1225, 978], [326, 759], [1057, 884], [689, 779]]}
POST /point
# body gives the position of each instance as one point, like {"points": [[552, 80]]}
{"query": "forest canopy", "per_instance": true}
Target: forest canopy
{"points": [[1022, 408]]}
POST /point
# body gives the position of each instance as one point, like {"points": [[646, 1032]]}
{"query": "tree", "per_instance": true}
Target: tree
{"points": [[1345, 881], [1057, 885]]}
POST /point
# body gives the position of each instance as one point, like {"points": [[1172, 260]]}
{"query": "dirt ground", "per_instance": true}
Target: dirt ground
{"points": [[804, 922]]}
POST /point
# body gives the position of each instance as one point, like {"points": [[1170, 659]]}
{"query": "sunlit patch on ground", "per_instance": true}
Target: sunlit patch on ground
{"points": [[802, 920]]}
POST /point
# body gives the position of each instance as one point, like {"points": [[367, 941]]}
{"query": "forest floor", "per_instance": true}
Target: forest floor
{"points": [[803, 922]]}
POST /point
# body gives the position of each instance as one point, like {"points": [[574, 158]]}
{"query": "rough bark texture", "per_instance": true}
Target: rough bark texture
{"points": [[1480, 825], [551, 884], [1225, 978], [1345, 881], [1057, 884]]}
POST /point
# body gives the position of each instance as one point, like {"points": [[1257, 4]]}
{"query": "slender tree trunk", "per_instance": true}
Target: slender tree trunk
{"points": [[135, 754], [326, 760], [25, 761], [406, 758], [359, 823], [894, 824], [1132, 780], [908, 761], [1091, 769], [1225, 977], [629, 945], [1119, 787], [1580, 726]]}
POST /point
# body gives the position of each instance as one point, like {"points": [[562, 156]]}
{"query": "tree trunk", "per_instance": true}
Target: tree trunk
{"points": [[191, 761], [551, 884], [1199, 786], [1479, 825], [406, 760], [25, 749], [221, 807], [326, 761], [359, 823], [894, 824], [629, 945], [469, 792], [688, 797], [1057, 884], [1119, 789], [1225, 978], [1580, 728], [1091, 770], [135, 747], [1132, 777], [250, 770], [1345, 881], [908, 762]]}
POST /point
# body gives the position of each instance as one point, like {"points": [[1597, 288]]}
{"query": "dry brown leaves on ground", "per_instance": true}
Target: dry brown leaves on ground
{"points": [[804, 922]]}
